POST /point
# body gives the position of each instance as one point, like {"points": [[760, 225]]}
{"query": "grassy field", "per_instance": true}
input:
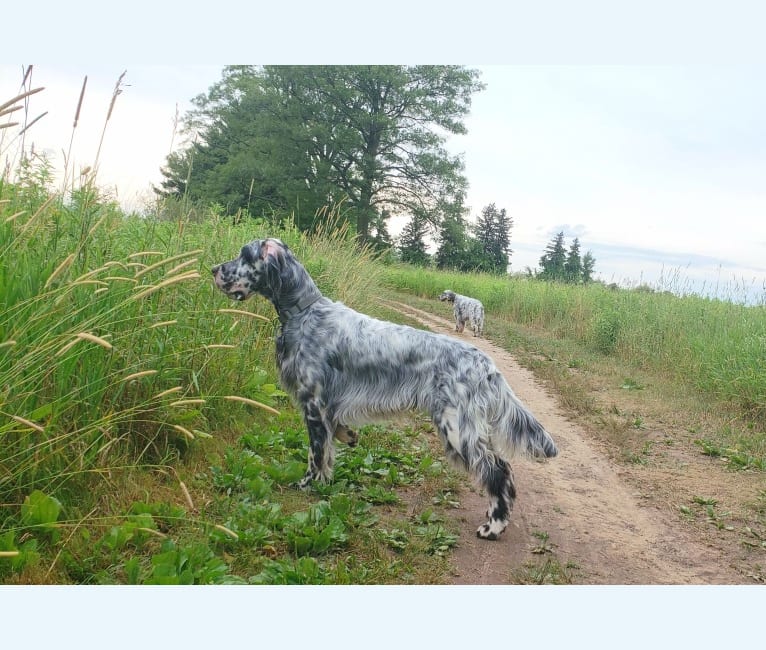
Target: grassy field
{"points": [[145, 439]]}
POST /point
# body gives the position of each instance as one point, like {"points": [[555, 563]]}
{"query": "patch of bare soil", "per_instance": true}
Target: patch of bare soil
{"points": [[590, 514]]}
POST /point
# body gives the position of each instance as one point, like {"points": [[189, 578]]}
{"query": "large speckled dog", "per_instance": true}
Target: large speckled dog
{"points": [[466, 310], [345, 369]]}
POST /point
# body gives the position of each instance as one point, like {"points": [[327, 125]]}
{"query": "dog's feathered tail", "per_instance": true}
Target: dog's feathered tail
{"points": [[513, 429]]}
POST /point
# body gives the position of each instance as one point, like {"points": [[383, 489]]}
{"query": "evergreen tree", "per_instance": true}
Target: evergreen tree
{"points": [[573, 264], [452, 240], [554, 258], [558, 264], [503, 240], [457, 249], [485, 228], [411, 245], [493, 234]]}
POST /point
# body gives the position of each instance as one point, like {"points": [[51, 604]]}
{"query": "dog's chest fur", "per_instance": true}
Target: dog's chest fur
{"points": [[300, 343]]}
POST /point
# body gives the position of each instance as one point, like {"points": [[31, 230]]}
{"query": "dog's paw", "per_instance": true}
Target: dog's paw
{"points": [[305, 482], [491, 530]]}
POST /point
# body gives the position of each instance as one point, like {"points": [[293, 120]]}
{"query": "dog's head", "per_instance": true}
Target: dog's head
{"points": [[447, 295], [257, 270]]}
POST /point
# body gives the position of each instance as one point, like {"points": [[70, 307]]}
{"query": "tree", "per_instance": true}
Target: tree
{"points": [[411, 245], [493, 233], [553, 259], [573, 264], [457, 249], [503, 240], [588, 263], [452, 239], [302, 137], [558, 264]]}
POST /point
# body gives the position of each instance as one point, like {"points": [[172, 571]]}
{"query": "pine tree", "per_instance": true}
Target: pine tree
{"points": [[492, 231], [503, 240], [411, 245], [485, 228], [553, 259], [452, 242], [558, 264], [573, 264]]}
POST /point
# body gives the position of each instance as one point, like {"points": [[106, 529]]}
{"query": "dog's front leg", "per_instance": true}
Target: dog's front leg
{"points": [[321, 449]]}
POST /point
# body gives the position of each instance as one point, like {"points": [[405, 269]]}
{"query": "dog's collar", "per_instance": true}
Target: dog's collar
{"points": [[293, 310]]}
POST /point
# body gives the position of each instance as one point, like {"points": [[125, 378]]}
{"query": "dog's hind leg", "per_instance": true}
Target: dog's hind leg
{"points": [[465, 448], [495, 475], [456, 316], [321, 447]]}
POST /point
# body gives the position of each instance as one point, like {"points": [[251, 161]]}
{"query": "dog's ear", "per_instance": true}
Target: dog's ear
{"points": [[272, 248], [263, 250]]}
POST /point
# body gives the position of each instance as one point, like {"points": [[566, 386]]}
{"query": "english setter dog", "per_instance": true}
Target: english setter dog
{"points": [[345, 369], [466, 309]]}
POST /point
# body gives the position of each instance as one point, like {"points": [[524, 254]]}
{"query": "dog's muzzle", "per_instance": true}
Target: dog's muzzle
{"points": [[226, 287]]}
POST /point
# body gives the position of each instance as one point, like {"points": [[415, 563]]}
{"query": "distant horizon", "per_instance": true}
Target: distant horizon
{"points": [[678, 273]]}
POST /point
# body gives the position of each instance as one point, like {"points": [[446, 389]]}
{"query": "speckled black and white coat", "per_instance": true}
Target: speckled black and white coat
{"points": [[345, 369], [466, 310]]}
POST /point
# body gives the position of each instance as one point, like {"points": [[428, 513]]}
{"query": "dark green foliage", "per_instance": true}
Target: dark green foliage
{"points": [[452, 242], [573, 264], [553, 260], [412, 246], [485, 249], [588, 262], [558, 264], [493, 233], [301, 138], [457, 249]]}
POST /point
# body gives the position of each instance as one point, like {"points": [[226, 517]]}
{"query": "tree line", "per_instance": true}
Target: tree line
{"points": [[557, 263], [268, 141], [485, 246]]}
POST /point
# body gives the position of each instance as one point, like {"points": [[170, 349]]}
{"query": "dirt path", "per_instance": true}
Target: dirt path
{"points": [[574, 508]]}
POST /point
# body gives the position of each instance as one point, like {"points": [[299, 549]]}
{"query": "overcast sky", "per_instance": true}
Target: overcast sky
{"points": [[659, 170]]}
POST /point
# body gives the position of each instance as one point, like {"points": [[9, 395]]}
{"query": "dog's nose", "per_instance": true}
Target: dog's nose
{"points": [[215, 269]]}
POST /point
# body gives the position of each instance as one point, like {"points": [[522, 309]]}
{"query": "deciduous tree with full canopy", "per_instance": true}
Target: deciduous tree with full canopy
{"points": [[299, 138]]}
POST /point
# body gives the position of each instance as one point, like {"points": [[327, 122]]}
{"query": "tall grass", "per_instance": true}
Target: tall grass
{"points": [[115, 349], [717, 347]]}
